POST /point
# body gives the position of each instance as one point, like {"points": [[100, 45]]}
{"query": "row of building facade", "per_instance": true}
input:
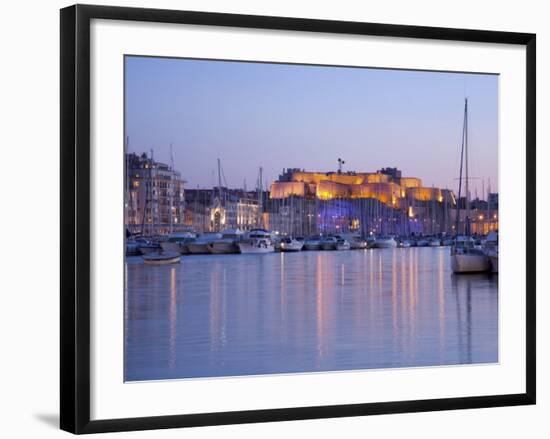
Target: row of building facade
{"points": [[156, 202], [300, 203]]}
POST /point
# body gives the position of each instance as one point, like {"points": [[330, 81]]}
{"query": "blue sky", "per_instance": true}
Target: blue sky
{"points": [[277, 116]]}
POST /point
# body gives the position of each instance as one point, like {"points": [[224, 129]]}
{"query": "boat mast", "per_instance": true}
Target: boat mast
{"points": [[489, 207], [171, 188], [146, 204], [221, 203], [466, 160], [461, 163], [153, 220], [432, 216], [260, 197], [219, 180]]}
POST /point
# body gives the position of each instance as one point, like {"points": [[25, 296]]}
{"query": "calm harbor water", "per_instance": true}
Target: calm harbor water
{"points": [[228, 315]]}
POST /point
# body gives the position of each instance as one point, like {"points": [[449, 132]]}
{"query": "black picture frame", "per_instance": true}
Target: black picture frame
{"points": [[75, 217]]}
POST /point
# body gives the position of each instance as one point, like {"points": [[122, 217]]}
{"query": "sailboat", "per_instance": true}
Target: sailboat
{"points": [[161, 258], [257, 241], [465, 257]]}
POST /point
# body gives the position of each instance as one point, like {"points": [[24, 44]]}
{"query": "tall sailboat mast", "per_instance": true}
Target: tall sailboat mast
{"points": [[220, 180], [151, 182], [171, 189], [466, 163], [464, 135], [489, 219], [260, 197]]}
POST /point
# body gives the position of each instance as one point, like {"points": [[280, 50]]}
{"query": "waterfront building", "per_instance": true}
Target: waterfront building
{"points": [[247, 213], [212, 210], [154, 196]]}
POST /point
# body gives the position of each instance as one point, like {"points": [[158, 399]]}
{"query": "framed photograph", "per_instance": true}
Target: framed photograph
{"points": [[268, 218]]}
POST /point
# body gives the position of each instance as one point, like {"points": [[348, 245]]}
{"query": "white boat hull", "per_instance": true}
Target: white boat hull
{"points": [[469, 263], [389, 243], [294, 247], [161, 258], [358, 245], [345, 246], [223, 247]]}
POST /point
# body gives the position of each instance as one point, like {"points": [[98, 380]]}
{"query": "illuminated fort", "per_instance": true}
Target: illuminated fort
{"points": [[381, 202], [386, 185]]}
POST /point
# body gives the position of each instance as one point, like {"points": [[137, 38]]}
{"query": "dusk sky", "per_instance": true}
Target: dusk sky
{"points": [[279, 116]]}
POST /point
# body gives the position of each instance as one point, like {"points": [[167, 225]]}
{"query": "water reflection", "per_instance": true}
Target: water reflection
{"points": [[308, 311], [441, 301], [173, 318]]}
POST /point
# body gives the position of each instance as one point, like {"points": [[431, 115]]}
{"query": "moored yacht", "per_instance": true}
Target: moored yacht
{"points": [[404, 243], [200, 245], [356, 243], [342, 244], [328, 243], [384, 242], [227, 244], [289, 244], [257, 241]]}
